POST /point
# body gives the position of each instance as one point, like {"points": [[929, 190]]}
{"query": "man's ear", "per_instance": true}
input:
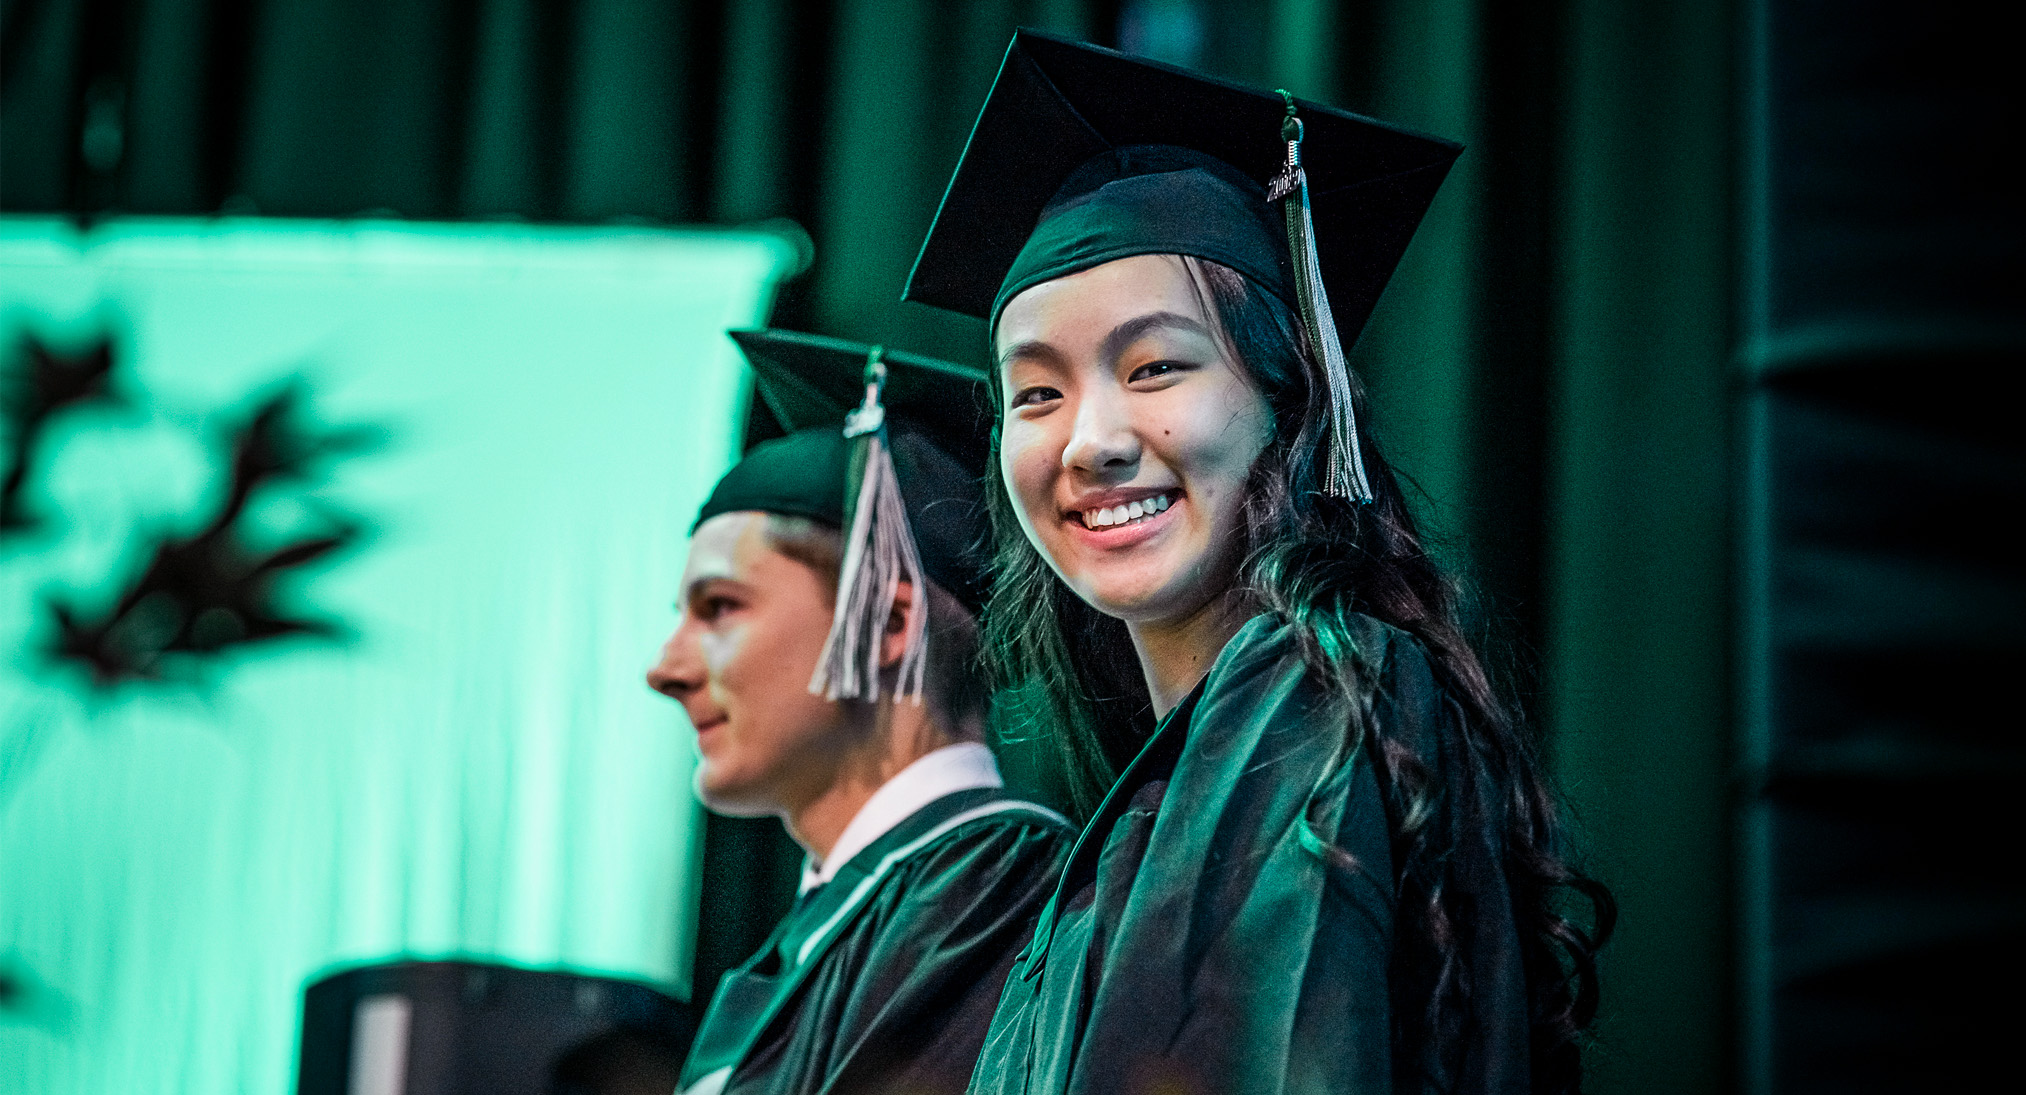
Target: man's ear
{"points": [[893, 641]]}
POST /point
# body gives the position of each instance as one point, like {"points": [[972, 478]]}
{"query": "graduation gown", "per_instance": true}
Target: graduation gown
{"points": [[1198, 942], [884, 978]]}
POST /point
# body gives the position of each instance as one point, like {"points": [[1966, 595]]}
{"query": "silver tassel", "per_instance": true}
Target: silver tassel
{"points": [[1345, 477], [879, 554]]}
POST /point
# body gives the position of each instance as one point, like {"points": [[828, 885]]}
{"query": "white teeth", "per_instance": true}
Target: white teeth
{"points": [[1131, 511]]}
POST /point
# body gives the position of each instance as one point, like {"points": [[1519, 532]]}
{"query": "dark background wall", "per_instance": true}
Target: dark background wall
{"points": [[1881, 602], [1654, 197]]}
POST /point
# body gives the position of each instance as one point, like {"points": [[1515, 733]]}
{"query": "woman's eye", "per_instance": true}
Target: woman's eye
{"points": [[1034, 397], [1153, 370]]}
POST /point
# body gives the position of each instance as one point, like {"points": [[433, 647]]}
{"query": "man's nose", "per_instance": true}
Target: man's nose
{"points": [[679, 674]]}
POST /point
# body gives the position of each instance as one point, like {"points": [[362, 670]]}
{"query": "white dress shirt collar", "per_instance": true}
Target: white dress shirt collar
{"points": [[965, 766]]}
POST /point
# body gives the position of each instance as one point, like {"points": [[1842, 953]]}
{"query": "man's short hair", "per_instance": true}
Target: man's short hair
{"points": [[954, 680]]}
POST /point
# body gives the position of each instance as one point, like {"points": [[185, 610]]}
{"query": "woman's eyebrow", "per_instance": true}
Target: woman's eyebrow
{"points": [[1032, 349], [1132, 330], [1115, 343]]}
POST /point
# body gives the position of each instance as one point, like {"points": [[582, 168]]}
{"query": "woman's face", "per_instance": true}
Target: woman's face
{"points": [[1128, 430]]}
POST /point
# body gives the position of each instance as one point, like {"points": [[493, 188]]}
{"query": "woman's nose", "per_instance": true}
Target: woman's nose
{"points": [[1102, 441]]}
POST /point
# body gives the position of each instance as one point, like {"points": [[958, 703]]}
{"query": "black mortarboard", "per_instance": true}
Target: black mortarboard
{"points": [[808, 380], [913, 423], [1082, 155]]}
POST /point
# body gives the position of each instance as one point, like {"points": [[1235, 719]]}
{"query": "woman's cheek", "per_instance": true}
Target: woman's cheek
{"points": [[1027, 467], [1227, 436]]}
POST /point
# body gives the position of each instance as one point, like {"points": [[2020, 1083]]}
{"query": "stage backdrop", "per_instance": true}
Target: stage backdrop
{"points": [[471, 765]]}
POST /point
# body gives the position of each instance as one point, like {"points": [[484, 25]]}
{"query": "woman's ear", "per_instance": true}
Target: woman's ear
{"points": [[893, 641]]}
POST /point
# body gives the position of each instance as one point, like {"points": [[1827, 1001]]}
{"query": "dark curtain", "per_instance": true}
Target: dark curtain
{"points": [[1883, 593], [1549, 367]]}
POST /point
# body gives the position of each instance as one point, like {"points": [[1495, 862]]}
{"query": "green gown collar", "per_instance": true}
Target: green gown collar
{"points": [[1163, 747], [752, 997]]}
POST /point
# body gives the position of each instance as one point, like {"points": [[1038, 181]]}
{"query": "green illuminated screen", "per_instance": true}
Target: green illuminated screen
{"points": [[475, 768]]}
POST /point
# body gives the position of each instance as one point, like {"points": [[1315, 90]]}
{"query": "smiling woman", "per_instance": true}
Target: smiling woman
{"points": [[1130, 429], [1333, 864]]}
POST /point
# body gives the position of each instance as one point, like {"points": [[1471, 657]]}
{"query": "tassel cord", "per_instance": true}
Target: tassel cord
{"points": [[835, 675], [1345, 477], [879, 555]]}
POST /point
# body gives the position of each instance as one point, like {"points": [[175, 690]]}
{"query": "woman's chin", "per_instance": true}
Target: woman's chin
{"points": [[1134, 601], [1155, 591]]}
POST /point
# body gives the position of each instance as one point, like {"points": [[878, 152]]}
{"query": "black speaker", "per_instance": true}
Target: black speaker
{"points": [[466, 1028]]}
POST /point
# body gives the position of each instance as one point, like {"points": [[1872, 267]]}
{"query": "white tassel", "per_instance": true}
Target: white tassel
{"points": [[1346, 473], [879, 554]]}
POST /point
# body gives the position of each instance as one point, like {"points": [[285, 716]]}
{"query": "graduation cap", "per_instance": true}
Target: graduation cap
{"points": [[1082, 155], [887, 447]]}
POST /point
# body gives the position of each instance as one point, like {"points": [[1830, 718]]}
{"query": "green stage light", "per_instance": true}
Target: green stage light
{"points": [[470, 764]]}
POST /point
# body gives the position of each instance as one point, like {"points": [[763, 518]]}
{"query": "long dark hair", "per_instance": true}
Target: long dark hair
{"points": [[1316, 561]]}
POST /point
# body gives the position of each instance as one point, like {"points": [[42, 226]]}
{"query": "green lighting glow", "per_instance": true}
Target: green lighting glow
{"points": [[478, 770]]}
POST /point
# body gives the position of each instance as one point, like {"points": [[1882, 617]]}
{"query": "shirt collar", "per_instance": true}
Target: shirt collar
{"points": [[964, 766]]}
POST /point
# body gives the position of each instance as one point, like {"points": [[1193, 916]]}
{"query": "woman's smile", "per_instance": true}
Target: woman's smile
{"points": [[1129, 433], [1122, 518]]}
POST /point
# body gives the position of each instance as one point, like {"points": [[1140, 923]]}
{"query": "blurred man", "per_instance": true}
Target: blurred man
{"points": [[859, 721]]}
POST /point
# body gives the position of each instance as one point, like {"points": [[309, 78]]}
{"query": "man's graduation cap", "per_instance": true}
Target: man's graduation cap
{"points": [[887, 447], [1084, 155]]}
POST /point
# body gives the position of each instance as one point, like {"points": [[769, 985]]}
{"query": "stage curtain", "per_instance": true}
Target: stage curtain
{"points": [[1548, 367]]}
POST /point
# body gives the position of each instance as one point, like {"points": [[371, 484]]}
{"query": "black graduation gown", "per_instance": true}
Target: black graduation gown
{"points": [[1197, 941], [884, 978]]}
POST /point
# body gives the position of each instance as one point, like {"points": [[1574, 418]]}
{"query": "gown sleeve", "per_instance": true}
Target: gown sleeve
{"points": [[902, 1000]]}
